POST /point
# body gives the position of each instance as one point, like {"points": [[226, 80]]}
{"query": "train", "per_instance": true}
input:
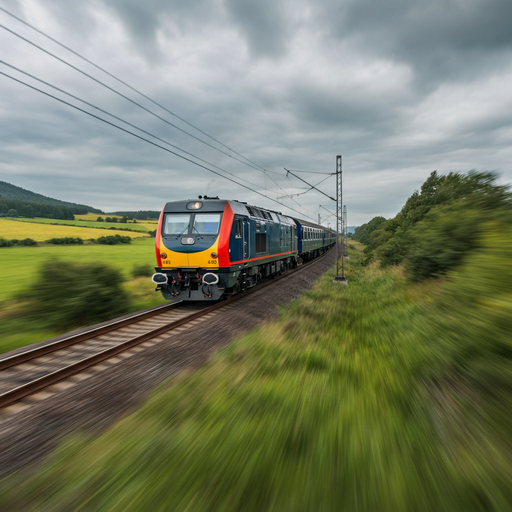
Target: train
{"points": [[210, 248]]}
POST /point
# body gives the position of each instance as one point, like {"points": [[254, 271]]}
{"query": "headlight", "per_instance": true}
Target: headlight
{"points": [[188, 240]]}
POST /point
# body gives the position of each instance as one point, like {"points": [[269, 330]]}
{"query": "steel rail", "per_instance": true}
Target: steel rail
{"points": [[83, 336]]}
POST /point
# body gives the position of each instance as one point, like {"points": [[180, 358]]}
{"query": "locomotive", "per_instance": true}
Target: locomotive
{"points": [[209, 248]]}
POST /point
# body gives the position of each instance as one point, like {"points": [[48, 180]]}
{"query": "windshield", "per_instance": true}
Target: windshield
{"points": [[206, 223], [176, 223]]}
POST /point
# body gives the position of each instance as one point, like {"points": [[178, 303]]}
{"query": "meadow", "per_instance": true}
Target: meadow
{"points": [[382, 395], [20, 264], [14, 229]]}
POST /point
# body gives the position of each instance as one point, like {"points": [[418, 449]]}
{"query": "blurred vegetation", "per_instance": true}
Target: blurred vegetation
{"points": [[383, 395], [78, 294], [143, 270], [439, 225], [19, 323]]}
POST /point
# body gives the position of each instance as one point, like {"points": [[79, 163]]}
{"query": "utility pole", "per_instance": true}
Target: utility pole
{"points": [[345, 221], [339, 223]]}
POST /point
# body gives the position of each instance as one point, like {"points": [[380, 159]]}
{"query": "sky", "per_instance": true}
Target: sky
{"points": [[246, 89]]}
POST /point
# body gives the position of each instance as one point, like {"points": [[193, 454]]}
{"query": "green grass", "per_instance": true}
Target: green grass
{"points": [[376, 396], [19, 264], [87, 223]]}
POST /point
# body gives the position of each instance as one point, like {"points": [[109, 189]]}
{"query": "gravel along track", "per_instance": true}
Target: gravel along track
{"points": [[95, 398]]}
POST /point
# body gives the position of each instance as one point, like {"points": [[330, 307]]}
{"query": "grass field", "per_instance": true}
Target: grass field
{"points": [[377, 396], [12, 229], [19, 264], [87, 223]]}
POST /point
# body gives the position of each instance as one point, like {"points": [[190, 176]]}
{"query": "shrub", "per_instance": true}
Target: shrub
{"points": [[113, 240], [11, 213], [68, 240], [100, 219], [27, 242], [142, 270], [71, 294], [5, 243]]}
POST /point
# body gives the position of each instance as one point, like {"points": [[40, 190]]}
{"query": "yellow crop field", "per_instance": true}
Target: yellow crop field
{"points": [[94, 216], [11, 229]]}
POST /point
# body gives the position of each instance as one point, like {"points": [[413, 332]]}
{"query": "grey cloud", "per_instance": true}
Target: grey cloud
{"points": [[439, 39], [263, 24]]}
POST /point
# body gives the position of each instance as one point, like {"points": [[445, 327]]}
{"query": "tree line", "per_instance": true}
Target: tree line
{"points": [[30, 209], [440, 224]]}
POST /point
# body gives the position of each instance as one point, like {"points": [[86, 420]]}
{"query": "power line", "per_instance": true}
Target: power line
{"points": [[309, 184], [144, 139], [122, 120], [124, 83], [258, 167], [142, 107]]}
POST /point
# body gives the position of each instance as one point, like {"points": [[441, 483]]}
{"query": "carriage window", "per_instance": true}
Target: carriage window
{"points": [[176, 223], [238, 232], [206, 223]]}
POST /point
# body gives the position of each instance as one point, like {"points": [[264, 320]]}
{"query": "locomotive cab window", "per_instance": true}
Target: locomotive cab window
{"points": [[206, 224], [176, 223]]}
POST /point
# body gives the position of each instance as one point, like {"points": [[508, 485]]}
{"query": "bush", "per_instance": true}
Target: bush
{"points": [[68, 240], [113, 240], [71, 294], [142, 270], [100, 219], [26, 242], [11, 213]]}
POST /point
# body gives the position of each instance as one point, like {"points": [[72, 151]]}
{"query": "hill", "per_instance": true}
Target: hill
{"points": [[8, 191]]}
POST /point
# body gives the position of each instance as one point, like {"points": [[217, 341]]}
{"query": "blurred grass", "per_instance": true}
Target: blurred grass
{"points": [[377, 396]]}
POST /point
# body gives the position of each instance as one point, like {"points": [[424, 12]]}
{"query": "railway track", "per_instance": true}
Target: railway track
{"points": [[40, 372]]}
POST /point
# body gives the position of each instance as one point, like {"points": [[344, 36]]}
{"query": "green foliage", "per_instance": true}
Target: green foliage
{"points": [[142, 271], [379, 396], [438, 225], [113, 240], [68, 240], [363, 232], [26, 242], [100, 219], [71, 294], [141, 214], [28, 209]]}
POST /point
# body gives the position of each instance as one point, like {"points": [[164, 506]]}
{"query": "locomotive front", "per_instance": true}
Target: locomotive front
{"points": [[192, 249]]}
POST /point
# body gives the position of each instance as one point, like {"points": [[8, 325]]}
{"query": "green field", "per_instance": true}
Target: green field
{"points": [[20, 264], [88, 223]]}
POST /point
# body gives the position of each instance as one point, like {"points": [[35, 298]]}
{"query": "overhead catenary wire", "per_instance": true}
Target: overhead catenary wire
{"points": [[146, 140], [250, 164], [74, 52], [122, 120]]}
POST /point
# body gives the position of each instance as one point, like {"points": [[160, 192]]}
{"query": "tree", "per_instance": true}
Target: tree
{"points": [[11, 213]]}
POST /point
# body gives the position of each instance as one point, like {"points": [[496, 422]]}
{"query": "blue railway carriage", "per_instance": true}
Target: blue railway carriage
{"points": [[210, 247], [313, 239]]}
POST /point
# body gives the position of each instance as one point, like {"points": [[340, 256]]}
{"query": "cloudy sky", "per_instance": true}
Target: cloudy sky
{"points": [[399, 88]]}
